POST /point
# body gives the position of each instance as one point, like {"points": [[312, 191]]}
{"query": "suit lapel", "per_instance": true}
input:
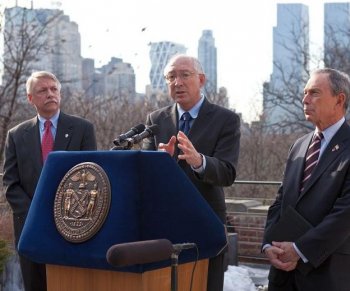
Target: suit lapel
{"points": [[335, 148], [64, 133], [200, 123], [299, 162], [171, 120], [31, 138]]}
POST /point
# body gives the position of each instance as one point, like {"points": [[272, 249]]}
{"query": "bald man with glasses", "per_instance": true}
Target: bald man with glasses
{"points": [[203, 137]]}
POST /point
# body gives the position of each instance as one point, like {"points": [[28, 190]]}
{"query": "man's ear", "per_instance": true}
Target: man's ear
{"points": [[340, 99], [30, 97], [202, 79]]}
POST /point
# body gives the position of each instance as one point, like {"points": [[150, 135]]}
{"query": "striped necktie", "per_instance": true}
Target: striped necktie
{"points": [[312, 155]]}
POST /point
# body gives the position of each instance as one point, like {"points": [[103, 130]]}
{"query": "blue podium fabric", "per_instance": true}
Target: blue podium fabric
{"points": [[151, 198]]}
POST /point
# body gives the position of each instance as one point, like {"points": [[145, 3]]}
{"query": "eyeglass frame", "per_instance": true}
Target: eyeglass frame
{"points": [[183, 75]]}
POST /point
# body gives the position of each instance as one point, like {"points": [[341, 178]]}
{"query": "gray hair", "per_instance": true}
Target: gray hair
{"points": [[196, 63], [339, 82], [38, 75]]}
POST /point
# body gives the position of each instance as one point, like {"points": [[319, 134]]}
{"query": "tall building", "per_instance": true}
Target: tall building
{"points": [[89, 78], [46, 39], [207, 55], [336, 36], [116, 79], [282, 95], [160, 54], [42, 39]]}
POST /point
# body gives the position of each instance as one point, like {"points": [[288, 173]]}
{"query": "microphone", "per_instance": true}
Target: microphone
{"points": [[143, 252], [140, 252], [148, 132], [134, 130]]}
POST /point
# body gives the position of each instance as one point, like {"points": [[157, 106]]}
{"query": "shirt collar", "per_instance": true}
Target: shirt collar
{"points": [[194, 110], [329, 132], [54, 120]]}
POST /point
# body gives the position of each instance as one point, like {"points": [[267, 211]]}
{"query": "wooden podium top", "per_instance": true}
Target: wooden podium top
{"points": [[63, 278]]}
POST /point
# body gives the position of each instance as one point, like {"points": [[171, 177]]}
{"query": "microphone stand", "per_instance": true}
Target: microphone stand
{"points": [[174, 265], [127, 145]]}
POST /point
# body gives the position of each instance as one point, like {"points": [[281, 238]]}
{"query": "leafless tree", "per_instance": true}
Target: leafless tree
{"points": [[283, 94], [23, 41]]}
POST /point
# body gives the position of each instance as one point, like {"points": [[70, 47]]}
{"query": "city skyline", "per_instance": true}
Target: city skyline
{"points": [[243, 39]]}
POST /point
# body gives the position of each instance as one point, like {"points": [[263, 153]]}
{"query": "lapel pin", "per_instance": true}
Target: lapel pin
{"points": [[336, 147], [66, 135]]}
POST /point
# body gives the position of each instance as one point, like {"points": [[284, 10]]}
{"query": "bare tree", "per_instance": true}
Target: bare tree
{"points": [[283, 109], [23, 41], [110, 115]]}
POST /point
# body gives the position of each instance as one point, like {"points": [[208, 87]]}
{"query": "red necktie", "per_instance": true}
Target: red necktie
{"points": [[47, 141], [311, 158]]}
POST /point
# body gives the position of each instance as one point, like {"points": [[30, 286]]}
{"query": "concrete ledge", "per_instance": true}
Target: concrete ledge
{"points": [[259, 209], [241, 205]]}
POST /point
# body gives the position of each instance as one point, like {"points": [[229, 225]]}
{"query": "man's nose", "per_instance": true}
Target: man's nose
{"points": [[178, 80], [50, 92], [306, 98]]}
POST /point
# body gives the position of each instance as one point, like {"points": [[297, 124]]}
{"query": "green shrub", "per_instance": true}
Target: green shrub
{"points": [[4, 254]]}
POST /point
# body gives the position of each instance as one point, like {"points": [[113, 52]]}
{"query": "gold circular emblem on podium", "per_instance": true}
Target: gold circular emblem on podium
{"points": [[82, 202]]}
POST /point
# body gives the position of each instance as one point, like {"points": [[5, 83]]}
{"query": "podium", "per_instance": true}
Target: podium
{"points": [[151, 198]]}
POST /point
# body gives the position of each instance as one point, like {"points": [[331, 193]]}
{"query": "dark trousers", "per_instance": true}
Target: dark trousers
{"points": [[33, 274], [216, 273]]}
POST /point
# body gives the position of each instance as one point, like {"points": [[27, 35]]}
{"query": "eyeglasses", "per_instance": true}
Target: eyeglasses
{"points": [[185, 75]]}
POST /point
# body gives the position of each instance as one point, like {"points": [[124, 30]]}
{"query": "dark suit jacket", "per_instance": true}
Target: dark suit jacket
{"points": [[23, 161], [215, 133], [325, 203]]}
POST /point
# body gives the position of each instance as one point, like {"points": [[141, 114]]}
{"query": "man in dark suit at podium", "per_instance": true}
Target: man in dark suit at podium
{"points": [[25, 154], [202, 137]]}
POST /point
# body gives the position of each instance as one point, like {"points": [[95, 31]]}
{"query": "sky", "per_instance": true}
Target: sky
{"points": [[242, 31]]}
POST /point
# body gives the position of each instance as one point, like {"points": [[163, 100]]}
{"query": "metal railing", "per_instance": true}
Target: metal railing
{"points": [[244, 182]]}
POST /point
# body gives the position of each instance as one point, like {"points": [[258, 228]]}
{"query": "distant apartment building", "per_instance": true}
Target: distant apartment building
{"points": [[282, 95], [207, 55], [336, 36], [160, 53], [88, 81], [43, 39], [116, 79], [46, 39]]}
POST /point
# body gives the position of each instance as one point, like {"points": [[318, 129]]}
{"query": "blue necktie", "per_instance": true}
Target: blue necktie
{"points": [[186, 118]]}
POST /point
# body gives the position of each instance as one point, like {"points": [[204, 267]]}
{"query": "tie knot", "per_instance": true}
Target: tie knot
{"points": [[47, 124], [186, 116], [318, 135]]}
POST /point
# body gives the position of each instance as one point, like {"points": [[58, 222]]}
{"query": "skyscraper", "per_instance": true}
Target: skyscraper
{"points": [[282, 96], [46, 39], [208, 57], [42, 39], [160, 53], [336, 36], [116, 79]]}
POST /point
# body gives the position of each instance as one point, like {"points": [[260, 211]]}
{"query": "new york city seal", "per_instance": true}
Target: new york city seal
{"points": [[82, 202]]}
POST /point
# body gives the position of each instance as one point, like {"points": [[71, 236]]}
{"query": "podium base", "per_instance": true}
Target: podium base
{"points": [[63, 278]]}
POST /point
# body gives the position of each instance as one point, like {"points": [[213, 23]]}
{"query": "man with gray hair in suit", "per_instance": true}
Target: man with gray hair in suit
{"points": [[204, 139], [26, 149]]}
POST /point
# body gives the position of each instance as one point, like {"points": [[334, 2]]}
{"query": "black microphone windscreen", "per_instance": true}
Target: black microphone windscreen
{"points": [[140, 252], [154, 128], [139, 128]]}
